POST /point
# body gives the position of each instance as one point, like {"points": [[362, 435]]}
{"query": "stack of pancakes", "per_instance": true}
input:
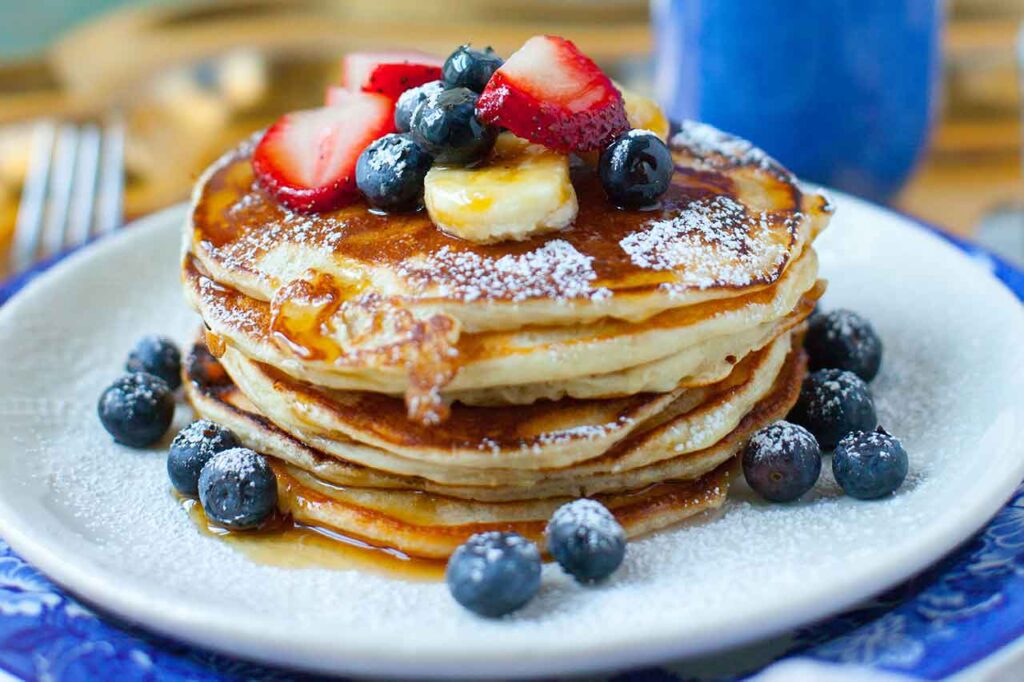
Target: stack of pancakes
{"points": [[414, 388]]}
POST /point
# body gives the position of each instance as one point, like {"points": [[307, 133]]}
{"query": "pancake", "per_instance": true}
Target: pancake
{"points": [[225, 404], [478, 443], [693, 342], [432, 527], [731, 222]]}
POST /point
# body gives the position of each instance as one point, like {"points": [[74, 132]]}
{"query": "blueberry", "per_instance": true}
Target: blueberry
{"points": [[238, 489], [469, 68], [833, 403], [869, 465], [205, 370], [842, 339], [137, 409], [781, 462], [586, 540], [636, 169], [156, 355], [390, 173], [410, 99], [192, 448], [445, 124], [494, 573]]}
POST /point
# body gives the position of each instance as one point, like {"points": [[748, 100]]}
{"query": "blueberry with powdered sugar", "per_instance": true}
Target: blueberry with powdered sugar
{"points": [[137, 409], [833, 403], [842, 339], [410, 99], [636, 169], [781, 462], [494, 573], [390, 173], [156, 355], [870, 465], [586, 540], [192, 448], [238, 489]]}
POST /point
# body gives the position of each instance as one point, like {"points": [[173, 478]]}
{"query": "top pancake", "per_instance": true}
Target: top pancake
{"points": [[731, 223]]}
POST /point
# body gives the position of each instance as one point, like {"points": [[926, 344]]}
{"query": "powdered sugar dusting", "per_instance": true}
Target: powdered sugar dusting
{"points": [[597, 522], [713, 242], [556, 270], [715, 149]]}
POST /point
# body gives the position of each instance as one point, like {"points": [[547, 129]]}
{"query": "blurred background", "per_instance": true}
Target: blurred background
{"points": [[114, 106]]}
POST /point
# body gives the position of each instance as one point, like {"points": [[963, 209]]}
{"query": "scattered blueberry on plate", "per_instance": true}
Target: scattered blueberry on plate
{"points": [[192, 448], [833, 403], [204, 369], [445, 124], [842, 339], [156, 355], [410, 99], [586, 540], [390, 173], [869, 465], [494, 573], [238, 489], [469, 68], [137, 409], [636, 169], [782, 461]]}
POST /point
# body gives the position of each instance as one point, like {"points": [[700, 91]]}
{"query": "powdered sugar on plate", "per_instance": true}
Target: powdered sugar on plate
{"points": [[102, 519]]}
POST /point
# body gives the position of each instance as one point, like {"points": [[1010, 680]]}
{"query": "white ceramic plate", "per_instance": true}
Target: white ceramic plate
{"points": [[100, 519]]}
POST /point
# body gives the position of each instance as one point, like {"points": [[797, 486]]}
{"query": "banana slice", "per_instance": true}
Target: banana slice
{"points": [[520, 191], [644, 112]]}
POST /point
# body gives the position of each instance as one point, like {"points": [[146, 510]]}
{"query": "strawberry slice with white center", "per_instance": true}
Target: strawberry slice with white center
{"points": [[307, 159], [551, 93], [389, 73]]}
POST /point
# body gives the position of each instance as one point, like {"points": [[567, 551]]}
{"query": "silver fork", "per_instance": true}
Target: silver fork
{"points": [[74, 188]]}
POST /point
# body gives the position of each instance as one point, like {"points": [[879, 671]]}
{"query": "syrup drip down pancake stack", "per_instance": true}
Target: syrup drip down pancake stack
{"points": [[414, 383]]}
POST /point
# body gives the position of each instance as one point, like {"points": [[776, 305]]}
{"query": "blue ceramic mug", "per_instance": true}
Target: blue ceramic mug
{"points": [[841, 91]]}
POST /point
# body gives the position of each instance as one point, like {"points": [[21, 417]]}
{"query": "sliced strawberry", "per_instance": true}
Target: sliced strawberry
{"points": [[389, 73], [552, 94], [336, 95], [307, 159]]}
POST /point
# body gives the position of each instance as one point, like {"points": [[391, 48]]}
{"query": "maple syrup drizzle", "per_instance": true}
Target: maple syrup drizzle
{"points": [[285, 543]]}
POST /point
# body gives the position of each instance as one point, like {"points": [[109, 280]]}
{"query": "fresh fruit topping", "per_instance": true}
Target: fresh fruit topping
{"points": [[842, 339], [411, 99], [238, 489], [191, 449], [307, 159], [469, 68], [833, 403], [137, 409], [636, 169], [389, 73], [551, 93], [869, 465], [445, 124], [644, 113], [158, 356], [521, 190], [781, 462], [586, 540], [390, 173], [494, 573]]}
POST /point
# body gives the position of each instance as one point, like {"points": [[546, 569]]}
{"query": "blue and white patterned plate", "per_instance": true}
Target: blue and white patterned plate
{"points": [[950, 616]]}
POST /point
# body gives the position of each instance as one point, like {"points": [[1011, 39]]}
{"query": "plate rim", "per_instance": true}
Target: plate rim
{"points": [[161, 614]]}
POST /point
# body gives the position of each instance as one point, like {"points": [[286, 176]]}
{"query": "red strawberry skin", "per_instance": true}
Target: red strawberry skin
{"points": [[307, 159], [551, 93], [389, 73], [391, 80]]}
